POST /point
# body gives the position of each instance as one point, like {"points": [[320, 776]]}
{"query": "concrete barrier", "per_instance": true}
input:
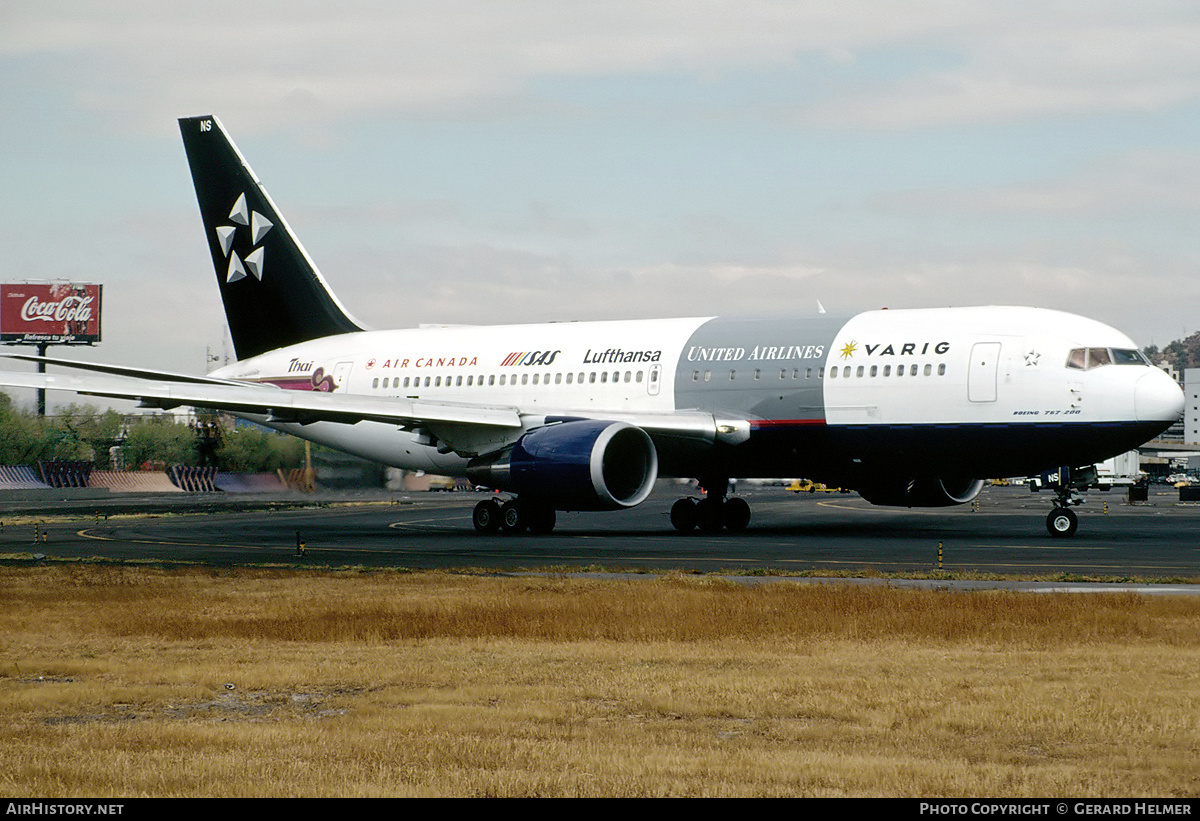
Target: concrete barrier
{"points": [[132, 481]]}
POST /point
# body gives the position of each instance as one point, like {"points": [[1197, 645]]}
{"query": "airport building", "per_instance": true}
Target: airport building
{"points": [[1191, 407]]}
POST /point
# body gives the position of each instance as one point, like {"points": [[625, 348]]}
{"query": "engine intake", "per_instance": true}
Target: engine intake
{"points": [[922, 492], [580, 465]]}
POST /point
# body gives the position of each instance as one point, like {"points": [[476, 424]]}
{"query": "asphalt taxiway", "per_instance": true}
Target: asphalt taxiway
{"points": [[1003, 533]]}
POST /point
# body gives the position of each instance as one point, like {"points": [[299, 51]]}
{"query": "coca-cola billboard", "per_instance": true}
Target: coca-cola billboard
{"points": [[58, 313]]}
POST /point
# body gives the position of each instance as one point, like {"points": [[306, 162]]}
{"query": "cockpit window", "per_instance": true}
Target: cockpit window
{"points": [[1128, 357], [1084, 359]]}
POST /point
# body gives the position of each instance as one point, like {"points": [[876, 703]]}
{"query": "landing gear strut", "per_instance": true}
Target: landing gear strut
{"points": [[711, 513]]}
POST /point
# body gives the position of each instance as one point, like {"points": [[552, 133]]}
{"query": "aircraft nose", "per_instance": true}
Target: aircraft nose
{"points": [[1157, 398]]}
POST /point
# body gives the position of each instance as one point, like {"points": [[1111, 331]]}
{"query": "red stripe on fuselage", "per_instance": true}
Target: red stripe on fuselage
{"points": [[785, 423]]}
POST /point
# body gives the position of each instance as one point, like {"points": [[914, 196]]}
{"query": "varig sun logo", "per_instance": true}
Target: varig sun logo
{"points": [[849, 348]]}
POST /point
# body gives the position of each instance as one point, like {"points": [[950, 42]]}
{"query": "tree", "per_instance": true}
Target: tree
{"points": [[159, 442], [253, 450]]}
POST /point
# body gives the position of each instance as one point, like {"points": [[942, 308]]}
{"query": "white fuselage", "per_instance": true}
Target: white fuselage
{"points": [[834, 391]]}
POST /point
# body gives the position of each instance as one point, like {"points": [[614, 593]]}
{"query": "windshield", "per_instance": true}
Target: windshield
{"points": [[1085, 359]]}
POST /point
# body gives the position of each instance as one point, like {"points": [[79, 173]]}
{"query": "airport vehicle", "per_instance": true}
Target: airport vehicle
{"points": [[907, 407]]}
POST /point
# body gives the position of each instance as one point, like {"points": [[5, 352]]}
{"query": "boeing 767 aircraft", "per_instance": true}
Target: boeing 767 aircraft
{"points": [[908, 407]]}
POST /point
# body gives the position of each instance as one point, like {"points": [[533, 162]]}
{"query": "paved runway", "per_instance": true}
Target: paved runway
{"points": [[788, 532]]}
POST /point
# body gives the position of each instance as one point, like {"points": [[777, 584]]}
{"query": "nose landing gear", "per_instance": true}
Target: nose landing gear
{"points": [[1062, 521]]}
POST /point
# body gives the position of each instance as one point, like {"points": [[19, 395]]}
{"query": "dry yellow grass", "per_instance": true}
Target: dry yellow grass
{"points": [[114, 684]]}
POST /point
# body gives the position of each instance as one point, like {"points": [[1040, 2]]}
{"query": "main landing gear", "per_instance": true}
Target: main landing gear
{"points": [[514, 516], [713, 512]]}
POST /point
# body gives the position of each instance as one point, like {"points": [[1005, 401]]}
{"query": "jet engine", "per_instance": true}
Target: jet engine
{"points": [[922, 492], [578, 465]]}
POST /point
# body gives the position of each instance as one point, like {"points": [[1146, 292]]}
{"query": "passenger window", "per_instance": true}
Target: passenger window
{"points": [[887, 370], [874, 370], [928, 370], [833, 372], [942, 369], [375, 382], [859, 372]]}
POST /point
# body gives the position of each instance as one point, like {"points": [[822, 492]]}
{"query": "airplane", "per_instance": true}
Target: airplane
{"points": [[911, 408]]}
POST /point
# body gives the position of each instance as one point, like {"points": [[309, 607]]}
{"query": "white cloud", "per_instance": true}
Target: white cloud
{"points": [[294, 64]]}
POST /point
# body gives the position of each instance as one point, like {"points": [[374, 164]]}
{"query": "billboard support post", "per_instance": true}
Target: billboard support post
{"points": [[42, 346]]}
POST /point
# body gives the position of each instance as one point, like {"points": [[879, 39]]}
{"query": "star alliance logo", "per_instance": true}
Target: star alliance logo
{"points": [[1031, 358], [259, 226]]}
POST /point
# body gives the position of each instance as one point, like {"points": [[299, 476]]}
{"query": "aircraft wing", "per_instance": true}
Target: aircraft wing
{"points": [[468, 428], [277, 404], [122, 370]]}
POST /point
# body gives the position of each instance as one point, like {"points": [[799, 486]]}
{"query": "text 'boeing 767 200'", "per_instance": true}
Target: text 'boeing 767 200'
{"points": [[908, 407]]}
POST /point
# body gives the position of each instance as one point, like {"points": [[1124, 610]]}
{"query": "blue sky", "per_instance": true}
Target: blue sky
{"points": [[492, 162]]}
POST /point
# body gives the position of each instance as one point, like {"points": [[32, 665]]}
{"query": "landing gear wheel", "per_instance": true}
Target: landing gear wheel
{"points": [[512, 519], [541, 518], [486, 517], [709, 515], [1062, 522], [736, 515], [683, 515]]}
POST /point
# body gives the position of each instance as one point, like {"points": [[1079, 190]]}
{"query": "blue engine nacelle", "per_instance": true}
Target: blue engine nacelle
{"points": [[922, 492], [579, 465]]}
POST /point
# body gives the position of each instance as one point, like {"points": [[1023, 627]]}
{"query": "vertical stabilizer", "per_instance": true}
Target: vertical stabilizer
{"points": [[273, 294]]}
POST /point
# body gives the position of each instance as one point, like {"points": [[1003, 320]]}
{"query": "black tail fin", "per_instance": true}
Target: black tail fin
{"points": [[273, 294]]}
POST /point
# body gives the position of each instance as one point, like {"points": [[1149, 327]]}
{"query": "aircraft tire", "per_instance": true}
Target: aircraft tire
{"points": [[486, 517], [683, 515], [736, 514], [1062, 522], [709, 515], [541, 518], [512, 518]]}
